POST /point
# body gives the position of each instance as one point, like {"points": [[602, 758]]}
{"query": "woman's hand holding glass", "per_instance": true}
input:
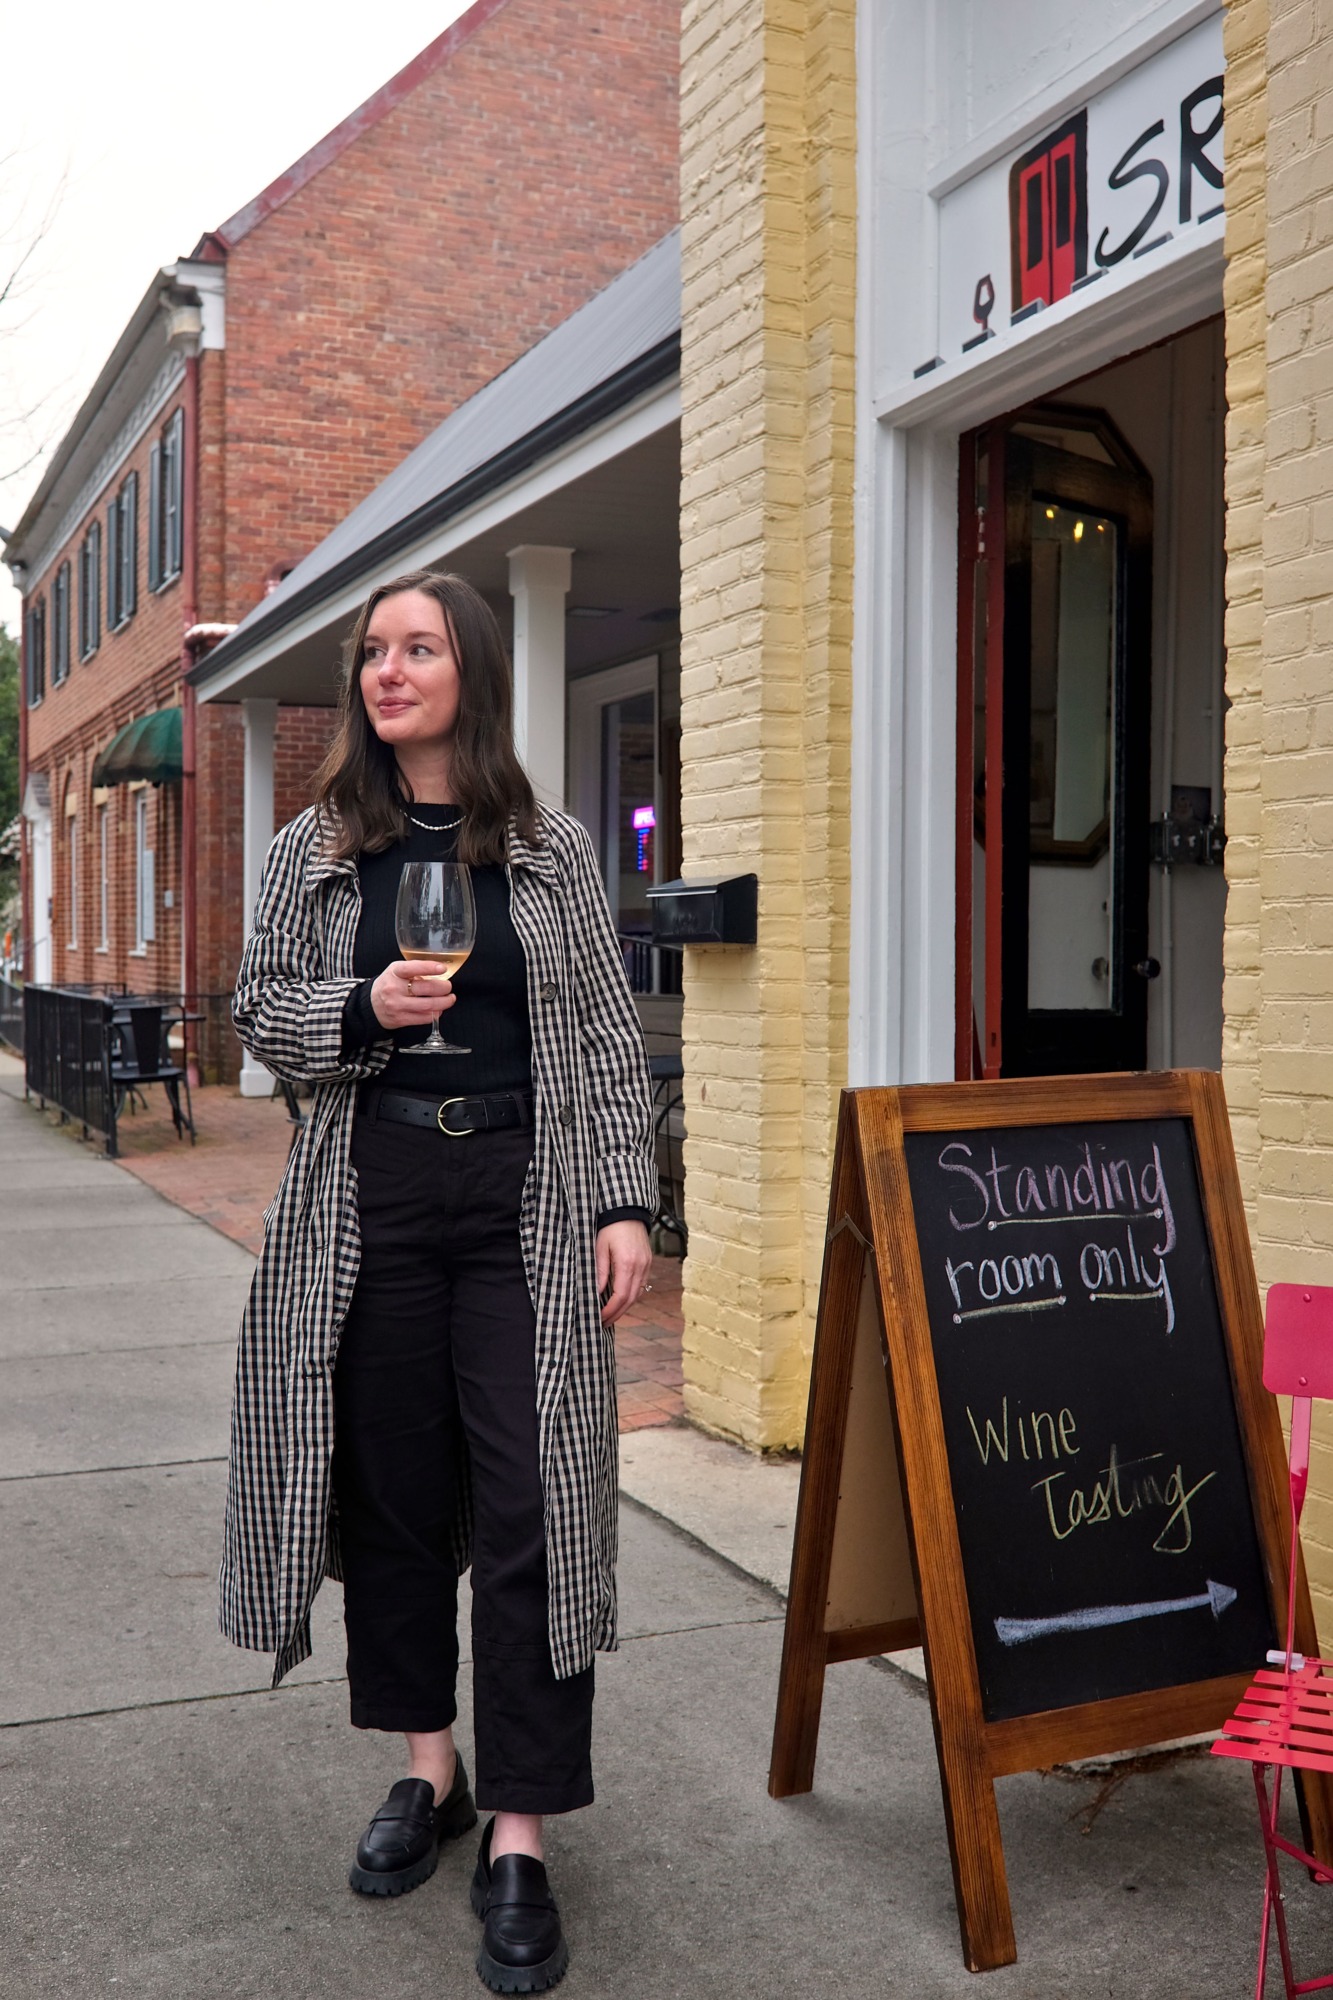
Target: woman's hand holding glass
{"points": [[402, 998]]}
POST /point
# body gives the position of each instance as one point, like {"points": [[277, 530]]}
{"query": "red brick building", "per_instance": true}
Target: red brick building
{"points": [[264, 386]]}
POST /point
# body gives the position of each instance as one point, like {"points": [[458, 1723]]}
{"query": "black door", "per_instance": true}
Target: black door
{"points": [[1077, 699]]}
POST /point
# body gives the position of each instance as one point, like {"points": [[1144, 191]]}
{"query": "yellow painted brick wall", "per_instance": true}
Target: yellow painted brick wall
{"points": [[768, 245], [1245, 31], [1278, 1052]]}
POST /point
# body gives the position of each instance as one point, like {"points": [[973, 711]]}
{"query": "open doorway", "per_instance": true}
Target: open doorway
{"points": [[1090, 900]]}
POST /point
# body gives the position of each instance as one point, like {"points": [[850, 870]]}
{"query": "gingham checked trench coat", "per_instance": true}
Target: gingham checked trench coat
{"points": [[593, 1152]]}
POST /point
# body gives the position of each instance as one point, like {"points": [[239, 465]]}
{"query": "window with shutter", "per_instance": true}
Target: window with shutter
{"points": [[94, 586], [155, 458], [36, 652], [112, 567], [129, 547], [173, 493], [60, 626]]}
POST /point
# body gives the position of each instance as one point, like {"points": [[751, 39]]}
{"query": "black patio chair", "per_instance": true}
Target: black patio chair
{"points": [[666, 1073], [139, 1056]]}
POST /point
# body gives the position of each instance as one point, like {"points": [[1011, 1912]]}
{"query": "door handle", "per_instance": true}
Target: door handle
{"points": [[1148, 968]]}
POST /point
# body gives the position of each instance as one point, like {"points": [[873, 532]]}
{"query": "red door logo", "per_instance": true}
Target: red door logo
{"points": [[1048, 216]]}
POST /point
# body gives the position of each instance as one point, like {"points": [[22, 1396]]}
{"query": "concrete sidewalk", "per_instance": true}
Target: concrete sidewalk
{"points": [[171, 1830]]}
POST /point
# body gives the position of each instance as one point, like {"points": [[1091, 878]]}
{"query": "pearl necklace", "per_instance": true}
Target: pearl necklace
{"points": [[426, 826]]}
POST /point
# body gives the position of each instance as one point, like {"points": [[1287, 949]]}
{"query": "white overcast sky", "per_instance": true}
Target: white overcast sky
{"points": [[134, 128]]}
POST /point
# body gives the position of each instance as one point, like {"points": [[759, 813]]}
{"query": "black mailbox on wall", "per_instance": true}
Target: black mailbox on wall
{"points": [[720, 912]]}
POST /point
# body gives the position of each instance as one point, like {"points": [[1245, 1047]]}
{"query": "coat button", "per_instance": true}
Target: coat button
{"points": [[548, 989], [565, 1114]]}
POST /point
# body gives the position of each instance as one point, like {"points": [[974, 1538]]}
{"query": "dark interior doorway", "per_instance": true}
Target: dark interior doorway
{"points": [[1055, 717]]}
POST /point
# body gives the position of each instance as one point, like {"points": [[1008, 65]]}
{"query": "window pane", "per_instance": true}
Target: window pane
{"points": [[129, 529], [629, 789], [113, 566], [155, 458], [60, 636], [1071, 812], [173, 494], [104, 884]]}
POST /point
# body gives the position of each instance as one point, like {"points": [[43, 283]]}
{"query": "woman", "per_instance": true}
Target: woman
{"points": [[426, 1371]]}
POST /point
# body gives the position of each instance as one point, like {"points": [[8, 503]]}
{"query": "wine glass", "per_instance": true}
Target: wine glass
{"points": [[436, 918]]}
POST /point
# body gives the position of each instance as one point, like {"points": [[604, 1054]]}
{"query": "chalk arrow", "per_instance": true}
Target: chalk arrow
{"points": [[1015, 1631]]}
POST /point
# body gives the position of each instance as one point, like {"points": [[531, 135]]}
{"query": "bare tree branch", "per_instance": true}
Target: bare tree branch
{"points": [[23, 234]]}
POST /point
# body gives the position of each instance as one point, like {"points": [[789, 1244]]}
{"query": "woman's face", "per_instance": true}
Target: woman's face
{"points": [[409, 674]]}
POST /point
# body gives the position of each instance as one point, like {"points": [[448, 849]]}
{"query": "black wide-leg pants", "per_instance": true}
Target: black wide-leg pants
{"points": [[436, 1373]]}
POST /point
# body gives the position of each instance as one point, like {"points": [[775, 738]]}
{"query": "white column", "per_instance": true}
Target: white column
{"points": [[539, 584], [261, 722]]}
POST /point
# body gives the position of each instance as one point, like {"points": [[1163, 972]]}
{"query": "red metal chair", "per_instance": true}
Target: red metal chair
{"points": [[1285, 1720]]}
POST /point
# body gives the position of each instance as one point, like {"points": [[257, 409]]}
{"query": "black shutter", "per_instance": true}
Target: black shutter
{"points": [[155, 516], [36, 650], [112, 566], [60, 626], [83, 598], [174, 494], [129, 528], [94, 586]]}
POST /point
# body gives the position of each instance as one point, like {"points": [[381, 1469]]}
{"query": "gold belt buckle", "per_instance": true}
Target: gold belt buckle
{"points": [[448, 1130]]}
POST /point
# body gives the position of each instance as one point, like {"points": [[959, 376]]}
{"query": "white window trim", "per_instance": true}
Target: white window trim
{"points": [[145, 863], [588, 696], [72, 880], [104, 886]]}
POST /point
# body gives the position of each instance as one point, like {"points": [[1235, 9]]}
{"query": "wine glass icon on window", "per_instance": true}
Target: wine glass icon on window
{"points": [[436, 918]]}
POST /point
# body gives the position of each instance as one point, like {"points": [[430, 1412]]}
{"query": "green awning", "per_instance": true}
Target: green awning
{"points": [[148, 749]]}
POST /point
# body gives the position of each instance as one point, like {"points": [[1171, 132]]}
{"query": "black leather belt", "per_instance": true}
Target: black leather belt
{"points": [[456, 1117]]}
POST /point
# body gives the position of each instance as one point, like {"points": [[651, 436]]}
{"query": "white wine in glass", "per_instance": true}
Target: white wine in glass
{"points": [[436, 918]]}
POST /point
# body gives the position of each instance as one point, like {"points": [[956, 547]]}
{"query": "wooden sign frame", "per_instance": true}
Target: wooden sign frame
{"points": [[877, 1563]]}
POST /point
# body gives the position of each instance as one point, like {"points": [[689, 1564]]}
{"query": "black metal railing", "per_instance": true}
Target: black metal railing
{"points": [[11, 1015], [67, 1056], [651, 968]]}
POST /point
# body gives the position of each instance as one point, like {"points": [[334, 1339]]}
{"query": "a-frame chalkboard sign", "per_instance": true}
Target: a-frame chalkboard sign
{"points": [[1038, 1440]]}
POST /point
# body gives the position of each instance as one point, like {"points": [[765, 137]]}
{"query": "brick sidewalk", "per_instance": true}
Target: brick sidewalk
{"points": [[228, 1178]]}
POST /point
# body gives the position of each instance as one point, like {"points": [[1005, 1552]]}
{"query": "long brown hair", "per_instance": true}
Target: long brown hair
{"points": [[359, 788]]}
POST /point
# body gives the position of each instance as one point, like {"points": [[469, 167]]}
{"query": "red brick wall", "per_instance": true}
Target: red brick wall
{"points": [[511, 185], [133, 671], [124, 659], [157, 967], [303, 737], [211, 489], [219, 790]]}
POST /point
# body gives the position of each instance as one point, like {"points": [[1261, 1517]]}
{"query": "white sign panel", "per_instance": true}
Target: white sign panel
{"points": [[1126, 181]]}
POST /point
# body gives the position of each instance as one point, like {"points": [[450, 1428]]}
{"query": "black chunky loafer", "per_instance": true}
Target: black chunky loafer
{"points": [[523, 1948], [400, 1848]]}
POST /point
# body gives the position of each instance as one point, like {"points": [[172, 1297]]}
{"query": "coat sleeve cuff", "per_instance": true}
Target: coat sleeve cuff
{"points": [[626, 1181], [360, 1025], [322, 1036], [610, 1215]]}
